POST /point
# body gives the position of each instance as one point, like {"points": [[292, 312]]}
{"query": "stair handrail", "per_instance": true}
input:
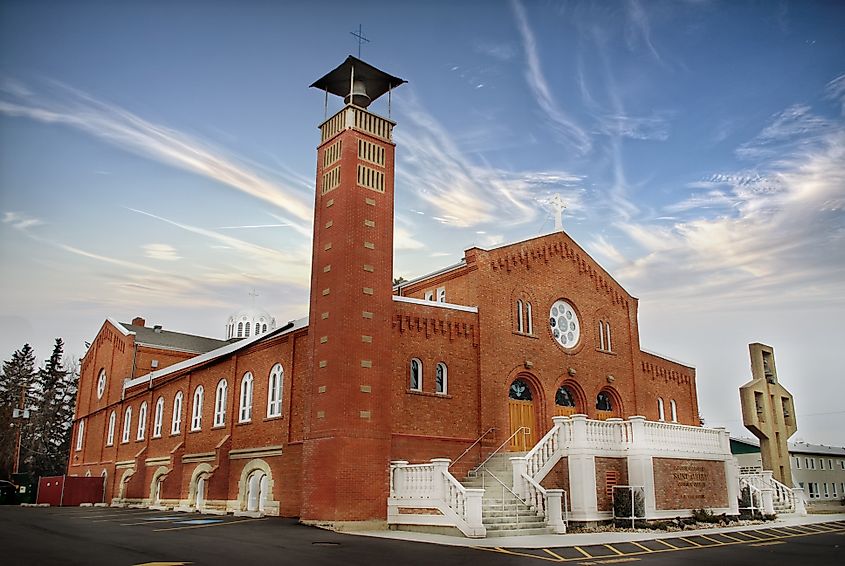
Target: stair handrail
{"points": [[537, 495], [784, 494], [523, 429], [504, 487], [471, 446]]}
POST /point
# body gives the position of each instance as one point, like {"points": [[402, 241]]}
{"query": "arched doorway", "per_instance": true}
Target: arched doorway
{"points": [[567, 401], [200, 497], [607, 405], [256, 496], [521, 416]]}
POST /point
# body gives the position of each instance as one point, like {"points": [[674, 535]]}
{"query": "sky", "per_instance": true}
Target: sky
{"points": [[158, 159]]}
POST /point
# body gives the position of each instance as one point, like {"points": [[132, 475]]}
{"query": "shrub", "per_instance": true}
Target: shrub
{"points": [[622, 503]]}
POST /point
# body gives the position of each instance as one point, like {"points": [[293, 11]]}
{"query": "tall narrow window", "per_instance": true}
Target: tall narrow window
{"points": [[142, 421], [240, 330], [674, 408], [110, 435], [798, 463], [127, 424], [607, 338], [441, 377], [601, 337], [246, 330], [220, 403], [158, 417], [603, 402], [441, 294], [80, 435], [274, 391], [264, 327], [196, 413], [176, 423], [529, 319], [661, 414], [519, 321], [416, 375], [245, 414], [429, 295]]}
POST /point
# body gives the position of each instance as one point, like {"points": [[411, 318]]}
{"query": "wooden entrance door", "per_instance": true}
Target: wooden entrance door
{"points": [[521, 415]]}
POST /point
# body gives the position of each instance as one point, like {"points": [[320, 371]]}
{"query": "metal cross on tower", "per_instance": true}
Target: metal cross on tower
{"points": [[253, 294], [558, 206], [361, 39]]}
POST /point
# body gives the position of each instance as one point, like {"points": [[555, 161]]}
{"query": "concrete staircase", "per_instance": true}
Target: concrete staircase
{"points": [[502, 513]]}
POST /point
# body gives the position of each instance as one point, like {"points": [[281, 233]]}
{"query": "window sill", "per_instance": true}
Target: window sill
{"points": [[155, 436], [525, 334], [217, 426], [193, 430], [428, 394], [273, 418], [241, 423], [608, 352]]}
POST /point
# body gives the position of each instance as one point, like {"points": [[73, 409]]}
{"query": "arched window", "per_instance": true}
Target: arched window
{"points": [[607, 341], [601, 335], [603, 402], [142, 421], [245, 414], [196, 413], [529, 319], [441, 294], [176, 423], [127, 424], [240, 329], [158, 417], [441, 378], [246, 330], [519, 321], [110, 436], [519, 390], [416, 375], [661, 413], [220, 403], [564, 397], [80, 435], [274, 391], [674, 409], [264, 327]]}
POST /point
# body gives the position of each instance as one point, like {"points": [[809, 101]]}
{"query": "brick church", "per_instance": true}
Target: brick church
{"points": [[303, 419]]}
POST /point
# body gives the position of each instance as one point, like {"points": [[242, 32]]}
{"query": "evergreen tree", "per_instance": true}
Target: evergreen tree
{"points": [[16, 387], [54, 398]]}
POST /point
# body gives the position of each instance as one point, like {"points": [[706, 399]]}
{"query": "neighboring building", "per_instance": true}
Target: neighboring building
{"points": [[305, 419], [819, 470]]}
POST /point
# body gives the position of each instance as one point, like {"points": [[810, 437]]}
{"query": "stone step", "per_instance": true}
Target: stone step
{"points": [[513, 519], [519, 532]]}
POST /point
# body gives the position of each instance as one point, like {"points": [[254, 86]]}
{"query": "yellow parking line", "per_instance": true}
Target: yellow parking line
{"points": [[726, 535], [705, 537], [211, 525], [661, 541], [614, 550], [547, 551], [767, 543], [582, 551], [690, 541], [647, 549]]}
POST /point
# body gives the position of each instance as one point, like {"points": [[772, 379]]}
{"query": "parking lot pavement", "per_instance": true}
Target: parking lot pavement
{"points": [[93, 536]]}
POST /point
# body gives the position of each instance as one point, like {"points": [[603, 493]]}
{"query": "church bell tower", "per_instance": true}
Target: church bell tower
{"points": [[346, 450]]}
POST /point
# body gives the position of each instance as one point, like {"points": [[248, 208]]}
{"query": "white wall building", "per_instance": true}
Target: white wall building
{"points": [[819, 470]]}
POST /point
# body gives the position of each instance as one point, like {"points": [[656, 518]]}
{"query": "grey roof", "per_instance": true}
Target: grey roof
{"points": [[173, 340], [799, 447], [378, 82]]}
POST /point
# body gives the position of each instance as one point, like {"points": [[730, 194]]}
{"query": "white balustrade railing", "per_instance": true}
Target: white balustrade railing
{"points": [[432, 484], [543, 451], [665, 436], [783, 495], [612, 433]]}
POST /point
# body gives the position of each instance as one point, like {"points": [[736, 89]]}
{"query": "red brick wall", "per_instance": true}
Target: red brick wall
{"points": [[609, 472], [558, 477], [689, 484]]}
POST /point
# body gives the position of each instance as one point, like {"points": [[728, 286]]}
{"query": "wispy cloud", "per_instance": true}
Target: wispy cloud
{"points": [[655, 127], [639, 28], [161, 252], [835, 90], [463, 192], [20, 221], [569, 130], [129, 131], [797, 125]]}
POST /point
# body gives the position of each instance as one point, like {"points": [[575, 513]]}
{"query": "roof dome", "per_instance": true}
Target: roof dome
{"points": [[250, 321]]}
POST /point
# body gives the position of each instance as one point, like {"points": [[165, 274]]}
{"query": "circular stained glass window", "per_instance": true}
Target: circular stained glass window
{"points": [[564, 324], [101, 384]]}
